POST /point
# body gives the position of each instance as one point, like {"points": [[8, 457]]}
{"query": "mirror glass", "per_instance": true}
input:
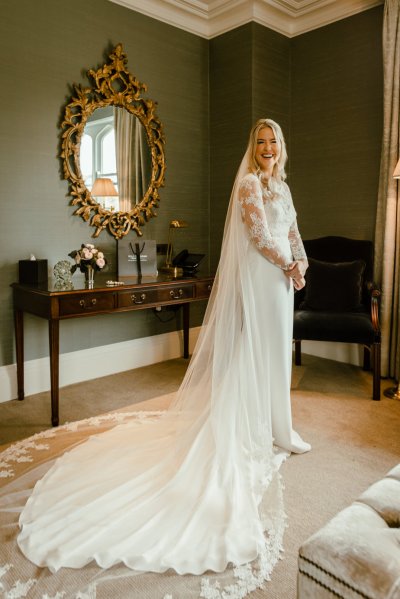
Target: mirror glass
{"points": [[114, 146]]}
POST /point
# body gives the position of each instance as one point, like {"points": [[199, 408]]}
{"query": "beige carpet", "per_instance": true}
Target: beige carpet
{"points": [[355, 441]]}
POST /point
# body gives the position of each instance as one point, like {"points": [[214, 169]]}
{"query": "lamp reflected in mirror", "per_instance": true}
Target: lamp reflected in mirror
{"points": [[168, 266], [394, 392], [103, 189]]}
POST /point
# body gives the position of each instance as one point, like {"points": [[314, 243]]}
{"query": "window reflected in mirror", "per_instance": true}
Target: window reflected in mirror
{"points": [[114, 146]]}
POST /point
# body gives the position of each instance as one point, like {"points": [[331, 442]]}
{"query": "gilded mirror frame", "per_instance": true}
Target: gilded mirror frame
{"points": [[113, 85]]}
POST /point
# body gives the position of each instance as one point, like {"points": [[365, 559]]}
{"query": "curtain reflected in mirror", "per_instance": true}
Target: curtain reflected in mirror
{"points": [[133, 159], [114, 146]]}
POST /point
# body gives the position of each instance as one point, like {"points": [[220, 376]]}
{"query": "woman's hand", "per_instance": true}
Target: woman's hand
{"points": [[296, 271], [299, 283]]}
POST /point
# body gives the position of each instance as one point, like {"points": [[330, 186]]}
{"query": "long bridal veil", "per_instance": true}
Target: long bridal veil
{"points": [[196, 489]]}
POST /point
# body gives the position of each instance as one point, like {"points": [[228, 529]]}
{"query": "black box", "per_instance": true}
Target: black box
{"points": [[32, 271]]}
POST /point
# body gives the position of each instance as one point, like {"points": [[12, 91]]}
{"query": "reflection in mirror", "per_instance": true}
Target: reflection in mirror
{"points": [[114, 146], [103, 190]]}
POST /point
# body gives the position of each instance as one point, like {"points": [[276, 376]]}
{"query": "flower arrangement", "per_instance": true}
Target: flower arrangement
{"points": [[87, 256]]}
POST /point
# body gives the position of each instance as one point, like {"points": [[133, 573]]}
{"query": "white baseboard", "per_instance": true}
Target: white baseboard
{"points": [[87, 364], [350, 353]]}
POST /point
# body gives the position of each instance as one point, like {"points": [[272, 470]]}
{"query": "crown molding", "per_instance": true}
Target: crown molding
{"points": [[209, 18]]}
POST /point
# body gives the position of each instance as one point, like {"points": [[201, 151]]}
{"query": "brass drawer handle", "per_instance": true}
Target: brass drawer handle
{"points": [[82, 302], [138, 300], [175, 295]]}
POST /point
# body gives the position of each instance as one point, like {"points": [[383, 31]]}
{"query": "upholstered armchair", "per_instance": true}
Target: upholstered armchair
{"points": [[340, 302]]}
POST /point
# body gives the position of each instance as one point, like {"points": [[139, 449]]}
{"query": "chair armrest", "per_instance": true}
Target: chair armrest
{"points": [[375, 294]]}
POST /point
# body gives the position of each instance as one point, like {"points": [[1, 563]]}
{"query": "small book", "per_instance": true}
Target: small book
{"points": [[136, 257]]}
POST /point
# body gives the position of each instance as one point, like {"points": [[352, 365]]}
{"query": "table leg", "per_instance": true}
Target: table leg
{"points": [[54, 344], [19, 350], [186, 320]]}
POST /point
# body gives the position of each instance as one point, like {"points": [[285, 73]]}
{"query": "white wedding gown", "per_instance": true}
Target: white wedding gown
{"points": [[196, 488]]}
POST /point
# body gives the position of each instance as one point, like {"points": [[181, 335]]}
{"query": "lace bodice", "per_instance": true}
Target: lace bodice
{"points": [[271, 221]]}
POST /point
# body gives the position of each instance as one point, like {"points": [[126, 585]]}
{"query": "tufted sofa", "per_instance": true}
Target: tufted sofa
{"points": [[357, 554]]}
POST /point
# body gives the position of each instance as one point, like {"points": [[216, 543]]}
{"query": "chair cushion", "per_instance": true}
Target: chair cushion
{"points": [[334, 286], [347, 327]]}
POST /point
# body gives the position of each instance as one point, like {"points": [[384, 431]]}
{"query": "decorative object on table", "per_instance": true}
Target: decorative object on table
{"points": [[63, 275], [136, 257], [32, 271], [88, 259], [104, 188], [168, 266], [114, 283], [188, 262], [394, 392]]}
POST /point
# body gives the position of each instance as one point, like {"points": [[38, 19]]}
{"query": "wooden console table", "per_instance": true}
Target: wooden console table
{"points": [[56, 304]]}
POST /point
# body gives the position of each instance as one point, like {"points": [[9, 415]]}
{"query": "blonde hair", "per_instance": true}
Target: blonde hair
{"points": [[278, 172]]}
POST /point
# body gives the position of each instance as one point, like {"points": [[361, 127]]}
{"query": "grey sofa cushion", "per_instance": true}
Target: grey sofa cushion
{"points": [[357, 554]]}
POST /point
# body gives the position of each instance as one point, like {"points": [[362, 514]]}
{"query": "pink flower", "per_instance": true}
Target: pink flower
{"points": [[86, 254]]}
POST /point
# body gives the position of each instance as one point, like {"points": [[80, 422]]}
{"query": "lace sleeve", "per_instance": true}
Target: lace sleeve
{"points": [[254, 217], [296, 243]]}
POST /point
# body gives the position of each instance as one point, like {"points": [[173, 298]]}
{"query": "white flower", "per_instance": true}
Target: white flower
{"points": [[100, 262]]}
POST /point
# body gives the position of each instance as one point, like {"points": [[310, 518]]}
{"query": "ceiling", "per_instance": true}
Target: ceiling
{"points": [[209, 18]]}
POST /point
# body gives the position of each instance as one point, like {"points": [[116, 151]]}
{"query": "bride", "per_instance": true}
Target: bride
{"points": [[197, 488]]}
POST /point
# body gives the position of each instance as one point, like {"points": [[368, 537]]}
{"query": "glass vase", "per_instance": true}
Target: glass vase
{"points": [[89, 277]]}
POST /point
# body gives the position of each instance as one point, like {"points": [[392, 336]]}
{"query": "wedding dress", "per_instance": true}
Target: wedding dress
{"points": [[196, 488]]}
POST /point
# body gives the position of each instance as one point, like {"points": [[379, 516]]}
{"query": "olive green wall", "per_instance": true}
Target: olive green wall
{"points": [[230, 120], [249, 79], [337, 118], [324, 87], [46, 46]]}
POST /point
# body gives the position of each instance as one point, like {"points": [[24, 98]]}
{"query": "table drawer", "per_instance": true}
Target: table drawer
{"points": [[178, 292], [203, 289], [150, 296], [131, 298], [89, 302]]}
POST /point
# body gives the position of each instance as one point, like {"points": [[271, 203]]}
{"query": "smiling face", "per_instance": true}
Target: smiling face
{"points": [[267, 150]]}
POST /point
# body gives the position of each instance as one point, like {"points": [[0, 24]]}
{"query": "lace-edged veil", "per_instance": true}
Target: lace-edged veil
{"points": [[227, 358]]}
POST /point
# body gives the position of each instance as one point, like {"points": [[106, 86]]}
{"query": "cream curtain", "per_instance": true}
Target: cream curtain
{"points": [[387, 232], [142, 161], [133, 159], [124, 133]]}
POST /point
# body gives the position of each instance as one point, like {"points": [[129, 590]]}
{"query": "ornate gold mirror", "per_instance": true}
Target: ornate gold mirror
{"points": [[113, 150]]}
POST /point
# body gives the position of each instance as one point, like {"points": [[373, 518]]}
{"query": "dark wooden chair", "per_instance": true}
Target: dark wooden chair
{"points": [[340, 301]]}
